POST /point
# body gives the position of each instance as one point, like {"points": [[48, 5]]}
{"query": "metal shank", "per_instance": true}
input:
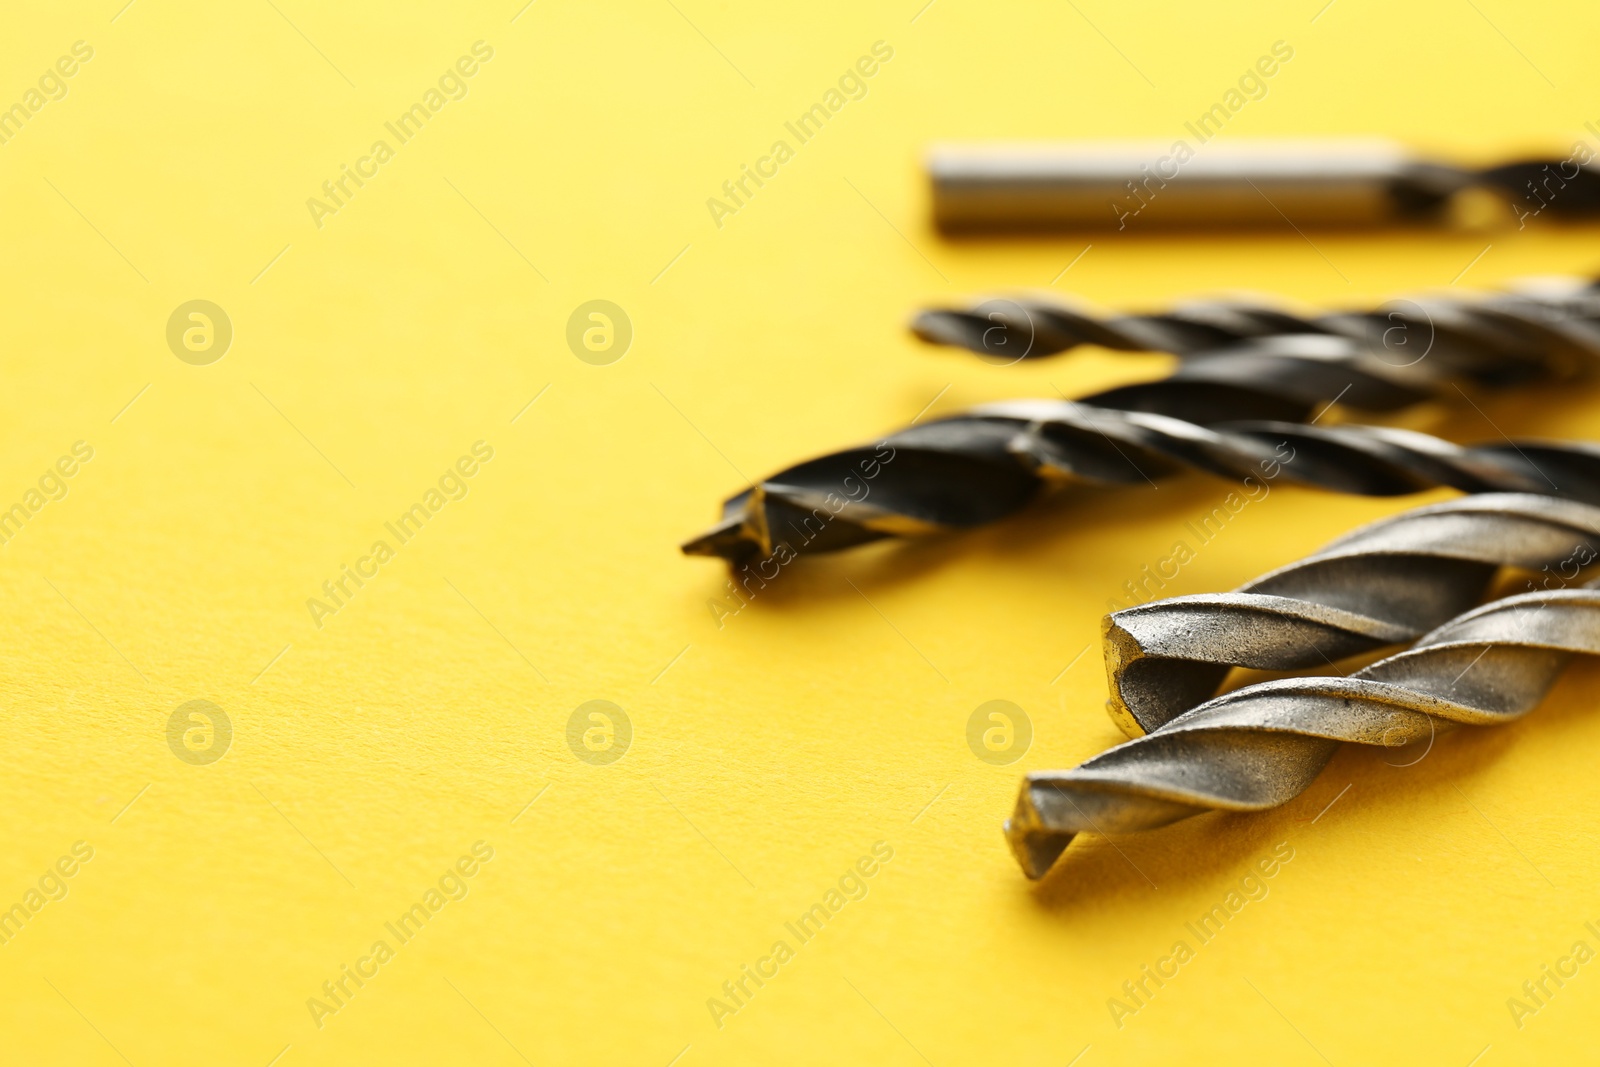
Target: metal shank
{"points": [[1337, 182]]}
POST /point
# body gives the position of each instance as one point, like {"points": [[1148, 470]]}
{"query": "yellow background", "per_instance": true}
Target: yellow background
{"points": [[780, 747]]}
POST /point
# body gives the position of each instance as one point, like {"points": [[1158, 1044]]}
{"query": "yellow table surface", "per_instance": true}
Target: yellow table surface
{"points": [[375, 344]]}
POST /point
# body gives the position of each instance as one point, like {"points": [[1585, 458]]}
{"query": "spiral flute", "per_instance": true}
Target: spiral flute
{"points": [[1550, 328], [978, 467], [1261, 746], [1384, 584]]}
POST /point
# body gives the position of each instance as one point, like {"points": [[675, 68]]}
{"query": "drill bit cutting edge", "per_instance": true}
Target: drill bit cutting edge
{"points": [[1261, 746], [1384, 584]]}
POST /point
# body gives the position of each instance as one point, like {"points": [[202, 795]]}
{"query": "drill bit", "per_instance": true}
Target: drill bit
{"points": [[964, 470], [1547, 328], [970, 469], [974, 468], [1337, 182], [1383, 584], [1261, 746]]}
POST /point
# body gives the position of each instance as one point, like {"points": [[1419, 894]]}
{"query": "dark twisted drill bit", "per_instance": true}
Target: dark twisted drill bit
{"points": [[1337, 182], [956, 471], [1549, 330], [1384, 584], [975, 468], [959, 472], [1261, 746]]}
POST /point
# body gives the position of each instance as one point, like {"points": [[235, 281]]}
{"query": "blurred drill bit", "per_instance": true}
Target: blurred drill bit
{"points": [[1331, 182], [1546, 328], [1384, 584], [967, 470], [1261, 746]]}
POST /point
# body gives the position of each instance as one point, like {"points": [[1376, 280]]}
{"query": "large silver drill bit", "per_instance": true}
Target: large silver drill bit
{"points": [[1384, 584], [1545, 328], [970, 469], [1261, 746]]}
